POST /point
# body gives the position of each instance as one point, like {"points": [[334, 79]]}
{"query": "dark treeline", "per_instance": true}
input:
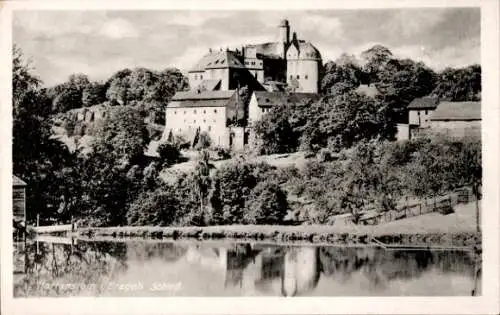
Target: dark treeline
{"points": [[115, 184], [147, 89], [343, 116]]}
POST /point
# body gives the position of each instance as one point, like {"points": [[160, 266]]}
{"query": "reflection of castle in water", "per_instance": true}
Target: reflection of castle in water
{"points": [[286, 271], [243, 269], [296, 270]]}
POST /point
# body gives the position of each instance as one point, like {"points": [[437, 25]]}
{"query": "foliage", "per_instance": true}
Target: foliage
{"points": [[400, 82], [37, 158], [232, 184], [374, 60], [93, 94], [156, 207], [339, 121], [463, 84], [204, 141], [345, 74], [122, 135], [169, 153], [266, 204]]}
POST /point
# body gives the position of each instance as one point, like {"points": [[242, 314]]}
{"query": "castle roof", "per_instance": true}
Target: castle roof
{"points": [[201, 99], [209, 85], [202, 95], [464, 111], [308, 51], [269, 99], [270, 49], [217, 60], [425, 102]]}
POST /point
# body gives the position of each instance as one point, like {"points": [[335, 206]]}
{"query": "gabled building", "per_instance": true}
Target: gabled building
{"points": [[262, 102], [191, 112], [457, 119], [420, 111]]}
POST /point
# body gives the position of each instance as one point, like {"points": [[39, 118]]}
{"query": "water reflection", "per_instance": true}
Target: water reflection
{"points": [[199, 269]]}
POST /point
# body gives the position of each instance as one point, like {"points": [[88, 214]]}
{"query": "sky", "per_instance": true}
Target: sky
{"points": [[99, 43]]}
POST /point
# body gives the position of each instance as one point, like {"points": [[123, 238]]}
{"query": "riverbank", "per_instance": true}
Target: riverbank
{"points": [[432, 229]]}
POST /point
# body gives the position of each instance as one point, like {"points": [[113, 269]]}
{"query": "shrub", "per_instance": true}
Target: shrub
{"points": [[169, 153], [204, 141], [266, 204], [153, 208], [219, 153]]}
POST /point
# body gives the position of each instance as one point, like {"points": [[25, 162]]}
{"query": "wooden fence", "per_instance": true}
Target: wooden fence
{"points": [[442, 204]]}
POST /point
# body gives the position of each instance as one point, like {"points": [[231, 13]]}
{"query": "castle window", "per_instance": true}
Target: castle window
{"points": [[204, 121], [253, 63], [195, 111], [196, 77], [201, 76], [194, 121], [215, 111], [204, 111], [209, 128], [298, 76], [175, 112], [291, 76], [426, 112], [184, 112], [306, 76]]}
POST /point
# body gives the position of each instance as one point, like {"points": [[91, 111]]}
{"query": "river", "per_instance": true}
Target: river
{"points": [[145, 268]]}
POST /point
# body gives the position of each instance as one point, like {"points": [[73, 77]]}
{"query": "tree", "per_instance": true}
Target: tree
{"points": [[459, 85], [374, 60], [204, 141], [339, 121], [118, 87], [37, 157], [401, 81], [232, 183], [345, 71], [275, 131], [156, 207], [65, 97], [266, 204], [203, 182], [169, 153], [93, 94], [122, 135]]}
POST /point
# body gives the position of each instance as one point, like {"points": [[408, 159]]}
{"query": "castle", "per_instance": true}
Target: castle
{"points": [[287, 70]]}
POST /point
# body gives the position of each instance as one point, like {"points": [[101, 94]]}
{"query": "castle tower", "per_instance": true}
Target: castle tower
{"points": [[303, 66], [284, 37]]}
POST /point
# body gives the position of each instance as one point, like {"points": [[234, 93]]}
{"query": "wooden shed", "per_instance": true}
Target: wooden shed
{"points": [[18, 199]]}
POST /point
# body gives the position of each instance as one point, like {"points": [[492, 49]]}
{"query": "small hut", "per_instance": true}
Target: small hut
{"points": [[18, 199]]}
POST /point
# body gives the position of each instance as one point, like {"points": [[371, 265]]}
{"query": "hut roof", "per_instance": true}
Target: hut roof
{"points": [[16, 181]]}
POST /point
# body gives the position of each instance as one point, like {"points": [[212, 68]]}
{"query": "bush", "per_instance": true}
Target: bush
{"points": [[169, 153], [204, 141], [324, 155], [219, 153], [153, 208], [266, 204]]}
